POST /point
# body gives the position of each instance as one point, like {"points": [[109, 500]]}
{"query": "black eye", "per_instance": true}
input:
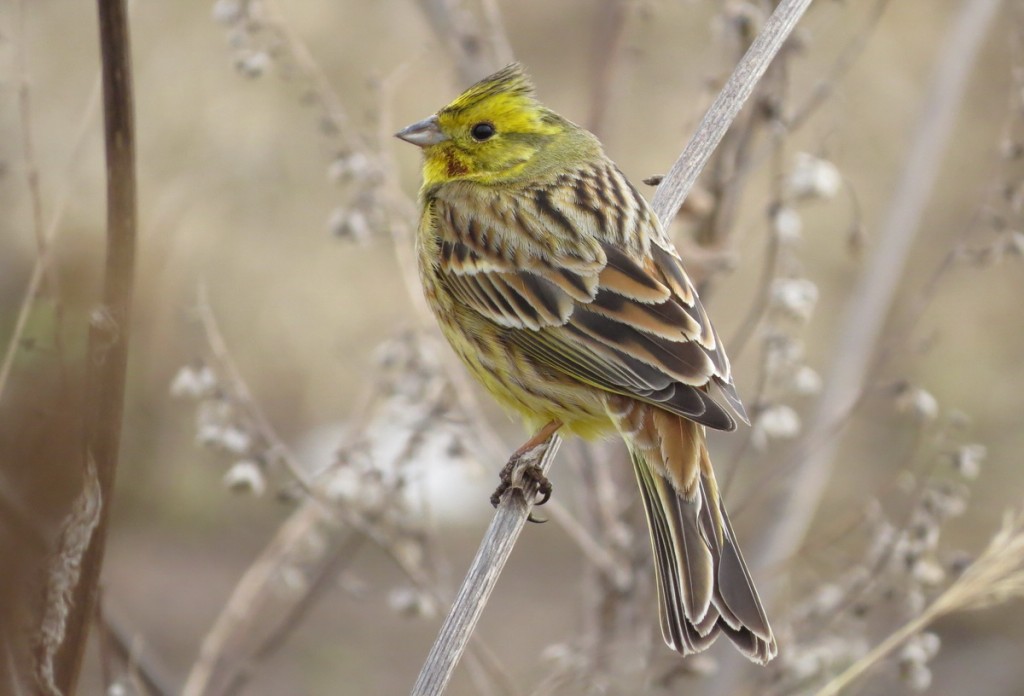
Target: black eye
{"points": [[482, 131]]}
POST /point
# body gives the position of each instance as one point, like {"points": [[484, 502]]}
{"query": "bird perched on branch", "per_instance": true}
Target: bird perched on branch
{"points": [[558, 288]]}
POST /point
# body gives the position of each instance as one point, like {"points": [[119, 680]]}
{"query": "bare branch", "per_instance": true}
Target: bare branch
{"points": [[280, 451], [257, 617], [827, 84], [483, 574]]}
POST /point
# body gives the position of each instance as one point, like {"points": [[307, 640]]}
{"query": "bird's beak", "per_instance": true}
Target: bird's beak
{"points": [[423, 133]]}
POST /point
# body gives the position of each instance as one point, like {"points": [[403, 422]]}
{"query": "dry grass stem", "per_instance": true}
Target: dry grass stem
{"points": [[122, 643], [264, 608], [996, 577]]}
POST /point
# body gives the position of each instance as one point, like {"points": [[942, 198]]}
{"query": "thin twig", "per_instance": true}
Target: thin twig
{"points": [[723, 111], [322, 581], [331, 105], [760, 302], [494, 551], [496, 34], [218, 346], [592, 549], [49, 237], [107, 356], [31, 166], [824, 89], [732, 163], [471, 45], [225, 647], [828, 82], [120, 638]]}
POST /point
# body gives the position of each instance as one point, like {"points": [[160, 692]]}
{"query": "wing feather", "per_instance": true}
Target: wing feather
{"points": [[607, 304], [625, 277]]}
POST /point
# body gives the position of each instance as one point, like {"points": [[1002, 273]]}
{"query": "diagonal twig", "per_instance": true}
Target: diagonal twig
{"points": [[494, 551]]}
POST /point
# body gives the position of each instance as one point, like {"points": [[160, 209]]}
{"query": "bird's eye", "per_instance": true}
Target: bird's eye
{"points": [[482, 131]]}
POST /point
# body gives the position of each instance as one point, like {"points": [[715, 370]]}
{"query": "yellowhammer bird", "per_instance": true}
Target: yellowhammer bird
{"points": [[560, 291]]}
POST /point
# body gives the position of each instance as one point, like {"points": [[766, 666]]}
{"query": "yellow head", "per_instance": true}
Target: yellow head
{"points": [[494, 132]]}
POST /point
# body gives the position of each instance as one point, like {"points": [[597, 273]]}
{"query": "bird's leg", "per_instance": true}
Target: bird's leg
{"points": [[530, 473]]}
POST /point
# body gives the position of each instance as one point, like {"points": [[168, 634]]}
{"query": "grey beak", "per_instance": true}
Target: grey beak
{"points": [[423, 133]]}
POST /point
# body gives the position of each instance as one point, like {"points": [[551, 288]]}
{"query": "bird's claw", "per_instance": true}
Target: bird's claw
{"points": [[544, 488], [530, 473]]}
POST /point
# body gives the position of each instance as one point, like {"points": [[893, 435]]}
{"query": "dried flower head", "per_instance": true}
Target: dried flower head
{"points": [[787, 224], [775, 422], [813, 177], [917, 402], [795, 297], [968, 458], [194, 382], [246, 476]]}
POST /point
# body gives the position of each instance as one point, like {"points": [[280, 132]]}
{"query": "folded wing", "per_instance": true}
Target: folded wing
{"points": [[610, 308]]}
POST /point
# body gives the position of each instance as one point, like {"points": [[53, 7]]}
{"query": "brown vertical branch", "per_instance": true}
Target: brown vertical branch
{"points": [[108, 335]]}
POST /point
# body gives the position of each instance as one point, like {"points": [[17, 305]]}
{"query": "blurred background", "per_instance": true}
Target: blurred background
{"points": [[280, 217]]}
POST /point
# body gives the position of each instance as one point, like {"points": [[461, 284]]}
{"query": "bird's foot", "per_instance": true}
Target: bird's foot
{"points": [[526, 472], [529, 473]]}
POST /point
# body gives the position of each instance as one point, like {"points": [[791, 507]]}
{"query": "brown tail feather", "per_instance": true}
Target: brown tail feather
{"points": [[704, 587]]}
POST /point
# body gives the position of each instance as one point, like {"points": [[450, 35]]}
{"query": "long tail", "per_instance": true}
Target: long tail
{"points": [[704, 587]]}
